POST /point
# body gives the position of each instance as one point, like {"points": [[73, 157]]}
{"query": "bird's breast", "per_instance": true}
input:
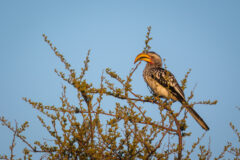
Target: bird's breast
{"points": [[157, 88]]}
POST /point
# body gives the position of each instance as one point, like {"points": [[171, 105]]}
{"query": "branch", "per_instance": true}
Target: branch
{"points": [[13, 142], [121, 118], [17, 131]]}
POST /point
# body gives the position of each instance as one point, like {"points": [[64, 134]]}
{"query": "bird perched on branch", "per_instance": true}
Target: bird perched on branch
{"points": [[163, 83]]}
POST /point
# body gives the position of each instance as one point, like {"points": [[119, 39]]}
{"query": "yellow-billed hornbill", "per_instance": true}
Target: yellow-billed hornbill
{"points": [[163, 83]]}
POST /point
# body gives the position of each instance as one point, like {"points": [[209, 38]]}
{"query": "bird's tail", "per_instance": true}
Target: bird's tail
{"points": [[195, 115]]}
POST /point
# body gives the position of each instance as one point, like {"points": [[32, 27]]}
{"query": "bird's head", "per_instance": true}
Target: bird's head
{"points": [[150, 57]]}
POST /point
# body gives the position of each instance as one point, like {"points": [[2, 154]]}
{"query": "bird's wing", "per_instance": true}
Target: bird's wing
{"points": [[167, 80]]}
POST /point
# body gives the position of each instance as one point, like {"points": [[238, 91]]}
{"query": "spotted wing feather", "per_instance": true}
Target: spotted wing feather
{"points": [[167, 80]]}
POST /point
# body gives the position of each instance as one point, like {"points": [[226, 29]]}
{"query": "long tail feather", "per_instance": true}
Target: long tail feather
{"points": [[195, 115]]}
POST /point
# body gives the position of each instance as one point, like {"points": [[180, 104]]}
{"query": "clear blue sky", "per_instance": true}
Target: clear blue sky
{"points": [[202, 35]]}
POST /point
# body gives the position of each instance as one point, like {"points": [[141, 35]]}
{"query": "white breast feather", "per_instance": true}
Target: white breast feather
{"points": [[157, 88]]}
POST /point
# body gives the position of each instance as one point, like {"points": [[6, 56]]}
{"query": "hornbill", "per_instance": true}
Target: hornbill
{"points": [[163, 83]]}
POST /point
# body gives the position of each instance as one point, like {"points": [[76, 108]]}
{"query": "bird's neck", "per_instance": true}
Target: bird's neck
{"points": [[154, 65]]}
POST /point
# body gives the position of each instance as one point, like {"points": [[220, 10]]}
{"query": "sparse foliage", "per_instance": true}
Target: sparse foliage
{"points": [[89, 131]]}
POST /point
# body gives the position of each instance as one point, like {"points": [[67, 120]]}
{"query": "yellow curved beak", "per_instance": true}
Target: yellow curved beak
{"points": [[143, 57]]}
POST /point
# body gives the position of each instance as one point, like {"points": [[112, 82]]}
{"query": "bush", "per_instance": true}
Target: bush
{"points": [[80, 132]]}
